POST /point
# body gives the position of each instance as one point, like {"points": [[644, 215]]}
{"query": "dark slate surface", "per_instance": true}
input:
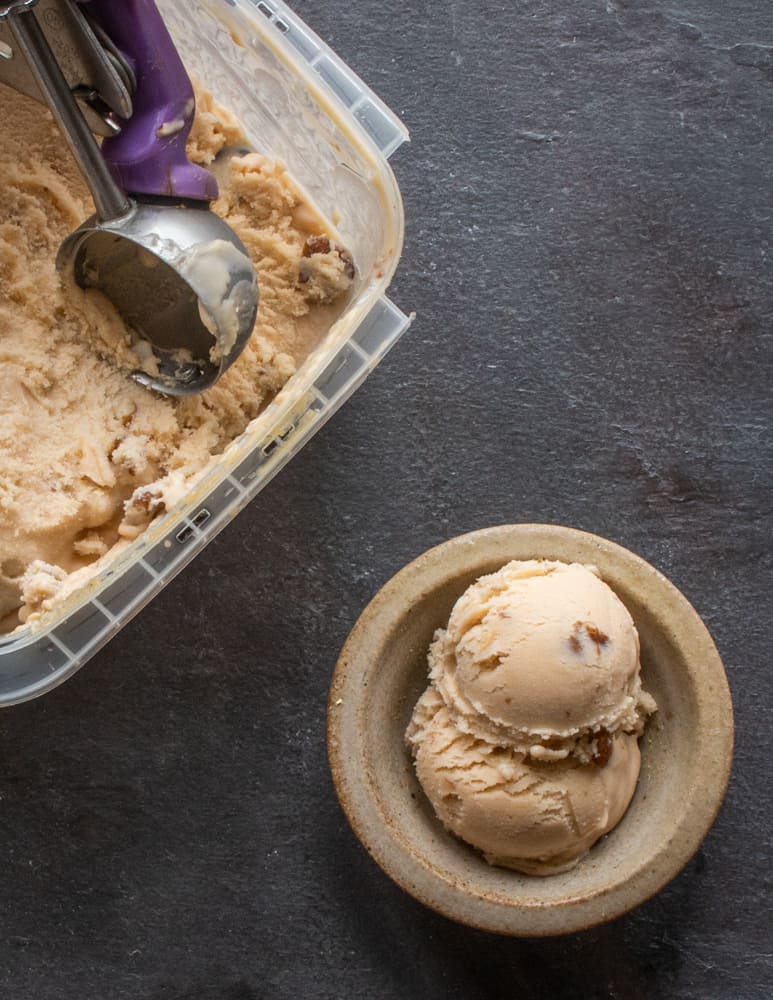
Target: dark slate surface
{"points": [[589, 197]]}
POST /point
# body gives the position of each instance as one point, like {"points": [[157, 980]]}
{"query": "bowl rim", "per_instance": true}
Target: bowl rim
{"points": [[450, 897]]}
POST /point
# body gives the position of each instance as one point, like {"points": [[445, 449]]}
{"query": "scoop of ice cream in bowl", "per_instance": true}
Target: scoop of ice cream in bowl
{"points": [[525, 742], [530, 729]]}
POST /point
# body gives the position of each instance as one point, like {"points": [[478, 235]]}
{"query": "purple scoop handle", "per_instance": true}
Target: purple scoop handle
{"points": [[148, 155]]}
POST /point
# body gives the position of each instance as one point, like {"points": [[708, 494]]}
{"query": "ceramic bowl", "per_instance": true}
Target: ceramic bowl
{"points": [[686, 747]]}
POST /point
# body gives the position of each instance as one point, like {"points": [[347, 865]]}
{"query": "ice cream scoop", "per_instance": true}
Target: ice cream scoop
{"points": [[533, 816], [177, 273], [538, 655], [525, 741]]}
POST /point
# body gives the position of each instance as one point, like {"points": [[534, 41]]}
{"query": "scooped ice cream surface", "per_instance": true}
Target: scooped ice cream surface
{"points": [[88, 457]]}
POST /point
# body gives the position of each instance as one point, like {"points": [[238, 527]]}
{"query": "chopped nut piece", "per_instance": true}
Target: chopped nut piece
{"points": [[603, 749], [316, 244]]}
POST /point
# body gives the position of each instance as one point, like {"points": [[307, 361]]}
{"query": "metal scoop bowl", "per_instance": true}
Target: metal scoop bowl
{"points": [[180, 279], [178, 275]]}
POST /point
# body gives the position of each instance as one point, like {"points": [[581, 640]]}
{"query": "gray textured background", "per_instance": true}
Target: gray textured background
{"points": [[589, 196]]}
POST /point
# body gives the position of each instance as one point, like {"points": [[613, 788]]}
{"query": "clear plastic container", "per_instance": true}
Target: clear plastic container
{"points": [[301, 104]]}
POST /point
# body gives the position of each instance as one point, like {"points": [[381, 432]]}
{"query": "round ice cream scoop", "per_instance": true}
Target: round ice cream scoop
{"points": [[537, 653], [180, 279], [177, 274], [536, 817]]}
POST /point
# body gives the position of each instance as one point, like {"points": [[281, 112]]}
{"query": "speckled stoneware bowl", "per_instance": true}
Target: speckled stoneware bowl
{"points": [[686, 748]]}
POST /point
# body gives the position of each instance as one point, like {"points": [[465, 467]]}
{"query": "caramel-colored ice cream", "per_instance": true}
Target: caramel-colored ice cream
{"points": [[535, 816], [526, 741], [88, 457]]}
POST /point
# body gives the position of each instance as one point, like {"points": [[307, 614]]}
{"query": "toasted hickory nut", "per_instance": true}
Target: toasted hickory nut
{"points": [[348, 262], [316, 244], [151, 501], [322, 245], [603, 749]]}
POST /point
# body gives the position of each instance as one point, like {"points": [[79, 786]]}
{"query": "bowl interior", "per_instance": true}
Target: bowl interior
{"points": [[387, 654]]}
